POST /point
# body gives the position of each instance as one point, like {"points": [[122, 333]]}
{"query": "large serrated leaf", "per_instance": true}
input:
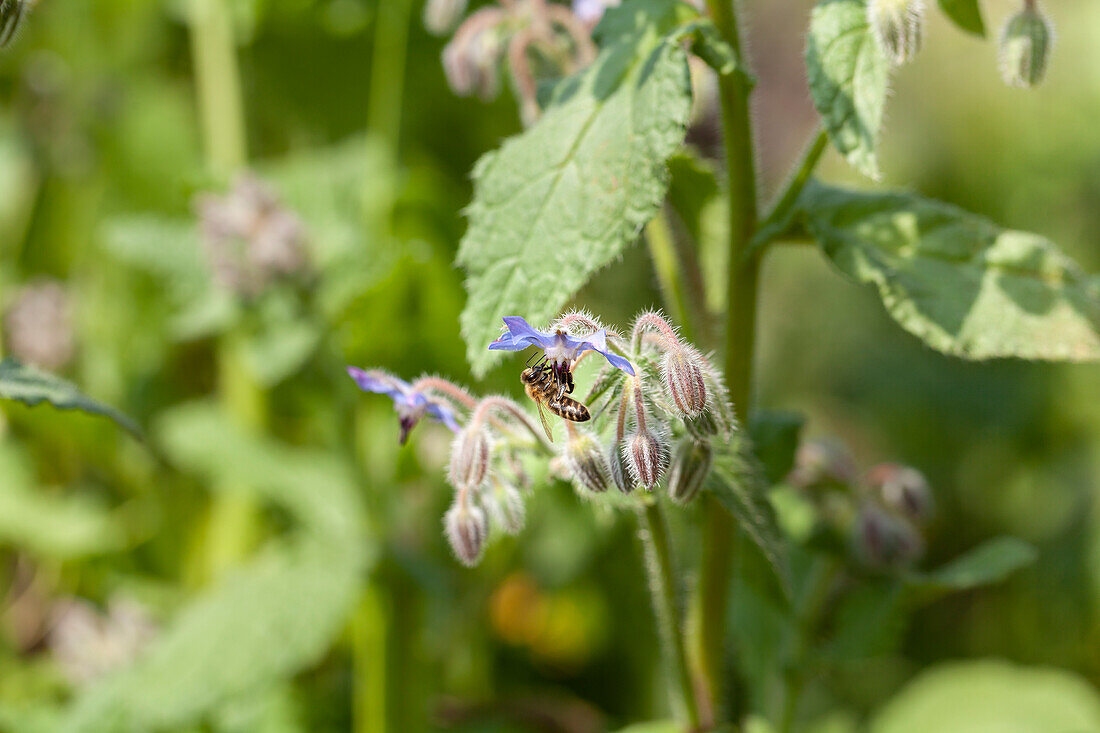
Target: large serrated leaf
{"points": [[956, 280], [32, 386], [563, 199], [738, 484], [848, 76], [966, 14]]}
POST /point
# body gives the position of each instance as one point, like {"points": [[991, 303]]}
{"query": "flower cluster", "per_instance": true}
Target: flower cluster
{"points": [[534, 38], [250, 238], [878, 516], [653, 414]]}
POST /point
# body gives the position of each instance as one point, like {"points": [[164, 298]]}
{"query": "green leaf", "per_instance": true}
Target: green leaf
{"points": [[32, 386], [956, 280], [991, 562], [991, 696], [563, 199], [848, 77], [738, 484], [966, 14], [775, 434]]}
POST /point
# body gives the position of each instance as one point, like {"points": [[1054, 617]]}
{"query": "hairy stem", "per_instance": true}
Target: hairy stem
{"points": [[214, 59], [662, 249], [662, 587], [711, 602]]}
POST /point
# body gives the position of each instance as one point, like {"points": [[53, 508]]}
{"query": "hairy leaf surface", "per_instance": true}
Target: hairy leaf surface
{"points": [[563, 199], [848, 76], [956, 280]]}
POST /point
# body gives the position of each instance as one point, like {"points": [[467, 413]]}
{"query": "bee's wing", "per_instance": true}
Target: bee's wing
{"points": [[545, 422]]}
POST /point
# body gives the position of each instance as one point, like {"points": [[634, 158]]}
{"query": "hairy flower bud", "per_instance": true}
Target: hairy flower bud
{"points": [[1025, 47], [39, 326], [647, 458], [466, 530], [690, 468], [703, 426], [882, 539], [506, 507], [471, 60], [897, 26], [683, 374], [469, 458], [586, 462], [12, 15], [620, 470], [902, 489], [440, 16], [822, 463]]}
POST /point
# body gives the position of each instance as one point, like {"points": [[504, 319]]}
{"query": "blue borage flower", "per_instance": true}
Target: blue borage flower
{"points": [[411, 404], [560, 349]]}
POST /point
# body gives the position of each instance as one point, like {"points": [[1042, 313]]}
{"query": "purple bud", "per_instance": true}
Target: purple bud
{"points": [[690, 468], [620, 471], [586, 462], [822, 463], [469, 458], [683, 374], [902, 489], [39, 326], [466, 530], [506, 507], [647, 458], [882, 539]]}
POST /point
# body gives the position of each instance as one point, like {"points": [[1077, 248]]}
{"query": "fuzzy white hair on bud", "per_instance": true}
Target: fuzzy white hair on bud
{"points": [[646, 455], [1025, 46], [586, 462], [682, 369], [507, 508], [466, 529], [469, 458], [897, 26]]}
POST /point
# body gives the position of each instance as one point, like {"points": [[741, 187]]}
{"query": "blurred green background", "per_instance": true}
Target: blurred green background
{"points": [[271, 500]]}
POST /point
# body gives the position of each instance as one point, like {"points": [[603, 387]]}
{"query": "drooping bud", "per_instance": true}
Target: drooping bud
{"points": [[586, 461], [12, 15], [690, 468], [469, 458], [902, 489], [620, 470], [882, 539], [471, 60], [39, 326], [646, 457], [897, 26], [466, 530], [1025, 47], [506, 508], [703, 426], [440, 16], [822, 464], [683, 375]]}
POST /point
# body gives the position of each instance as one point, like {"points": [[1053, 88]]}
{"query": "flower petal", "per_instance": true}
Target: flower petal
{"points": [[521, 335], [598, 342], [444, 415], [380, 382]]}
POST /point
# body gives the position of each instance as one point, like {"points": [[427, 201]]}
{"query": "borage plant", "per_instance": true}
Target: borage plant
{"points": [[815, 538]]}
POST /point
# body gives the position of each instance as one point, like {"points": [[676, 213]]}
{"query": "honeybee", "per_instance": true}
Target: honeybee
{"points": [[543, 385]]}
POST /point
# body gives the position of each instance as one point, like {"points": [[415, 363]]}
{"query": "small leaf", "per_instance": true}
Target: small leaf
{"points": [[32, 386], [956, 280], [848, 77], [775, 434], [991, 695], [563, 199], [739, 486], [966, 14], [989, 563]]}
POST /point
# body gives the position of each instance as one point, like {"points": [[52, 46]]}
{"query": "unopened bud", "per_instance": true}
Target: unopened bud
{"points": [[39, 326], [440, 16], [466, 530], [1025, 47], [902, 489], [883, 539], [507, 509], [647, 458], [470, 62], [702, 426], [586, 462], [620, 471], [469, 458], [897, 26], [12, 15], [822, 463], [690, 468], [683, 374]]}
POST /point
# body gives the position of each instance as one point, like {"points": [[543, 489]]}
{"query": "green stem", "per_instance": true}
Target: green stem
{"points": [[662, 587], [387, 78], [711, 603], [368, 641], [776, 220], [662, 249], [219, 86]]}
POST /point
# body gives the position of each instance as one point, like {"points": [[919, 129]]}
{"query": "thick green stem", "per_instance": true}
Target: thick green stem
{"points": [[662, 587], [662, 249], [711, 603], [214, 58], [368, 642], [387, 77]]}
